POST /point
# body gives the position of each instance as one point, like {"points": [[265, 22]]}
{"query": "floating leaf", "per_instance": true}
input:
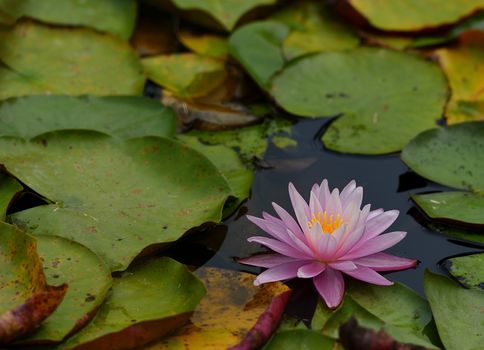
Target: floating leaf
{"points": [[283, 141], [114, 197], [185, 74], [467, 270], [397, 310], [89, 280], [226, 12], [299, 339], [9, 187], [459, 233], [314, 28], [364, 85], [460, 206], [46, 60], [115, 16], [205, 44], [122, 116], [147, 302], [451, 156], [457, 312], [232, 306], [257, 46], [412, 15], [465, 72], [26, 299]]}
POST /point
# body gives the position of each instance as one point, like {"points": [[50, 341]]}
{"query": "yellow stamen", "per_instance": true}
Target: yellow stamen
{"points": [[328, 225]]}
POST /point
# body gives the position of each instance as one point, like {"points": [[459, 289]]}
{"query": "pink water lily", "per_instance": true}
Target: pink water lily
{"points": [[331, 236]]}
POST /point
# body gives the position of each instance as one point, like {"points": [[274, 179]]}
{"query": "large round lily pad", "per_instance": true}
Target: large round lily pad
{"points": [[115, 197], [468, 270], [457, 312], [411, 15], [452, 156], [382, 107], [115, 16], [25, 297], [147, 302], [460, 206], [121, 116], [46, 60], [89, 280]]}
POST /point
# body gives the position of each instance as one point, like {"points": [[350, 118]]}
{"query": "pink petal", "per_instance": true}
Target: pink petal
{"points": [[380, 223], [347, 191], [375, 245], [301, 208], [278, 246], [385, 262], [351, 207], [324, 194], [288, 220], [275, 229], [314, 204], [374, 213], [323, 244], [266, 260], [334, 204], [297, 243], [349, 240], [368, 275], [310, 270], [280, 272], [343, 266], [331, 286]]}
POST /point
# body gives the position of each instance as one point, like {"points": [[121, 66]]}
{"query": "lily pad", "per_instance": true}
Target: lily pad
{"points": [[226, 12], [314, 28], [467, 270], [9, 187], [451, 156], [26, 298], [86, 62], [115, 197], [147, 302], [457, 312], [299, 339], [89, 280], [364, 86], [464, 70], [463, 234], [226, 314], [396, 309], [121, 116], [413, 15], [114, 16], [186, 74], [205, 44], [257, 46], [466, 207]]}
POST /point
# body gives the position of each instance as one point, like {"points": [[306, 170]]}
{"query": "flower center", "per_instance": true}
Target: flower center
{"points": [[328, 224]]}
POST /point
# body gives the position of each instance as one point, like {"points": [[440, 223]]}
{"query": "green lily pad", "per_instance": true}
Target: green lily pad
{"points": [[457, 312], [238, 176], [113, 196], [396, 309], [257, 46], [364, 86], [226, 12], [205, 44], [122, 116], [25, 297], [314, 28], [147, 302], [9, 187], [114, 16], [412, 15], [89, 280], [466, 207], [299, 339], [451, 156], [467, 270], [46, 60], [460, 233], [185, 74]]}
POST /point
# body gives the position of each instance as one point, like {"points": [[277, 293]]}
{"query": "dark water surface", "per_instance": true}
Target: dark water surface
{"points": [[387, 184]]}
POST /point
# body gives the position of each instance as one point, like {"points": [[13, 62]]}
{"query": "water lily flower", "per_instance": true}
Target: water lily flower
{"points": [[332, 236]]}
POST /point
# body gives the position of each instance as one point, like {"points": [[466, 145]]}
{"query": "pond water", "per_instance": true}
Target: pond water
{"points": [[387, 183]]}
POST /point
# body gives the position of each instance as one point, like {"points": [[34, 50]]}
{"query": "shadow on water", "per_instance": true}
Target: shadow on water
{"points": [[387, 184]]}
